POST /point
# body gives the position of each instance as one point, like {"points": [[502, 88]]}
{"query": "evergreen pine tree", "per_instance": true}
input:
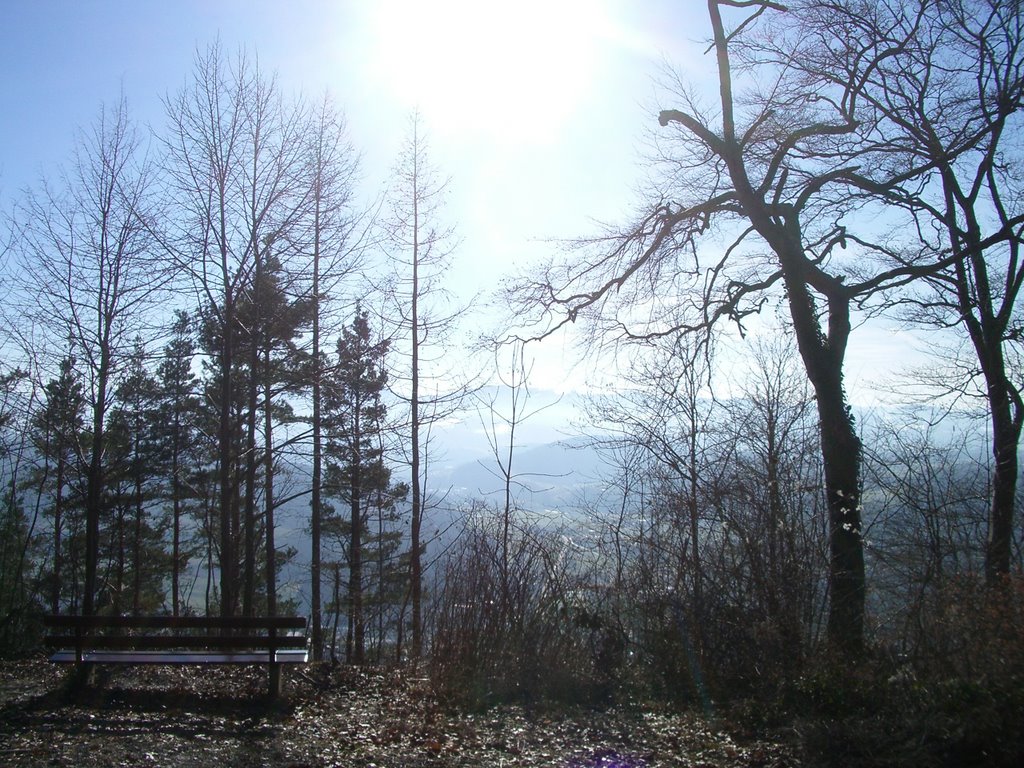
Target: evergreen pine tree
{"points": [[357, 474], [135, 537], [58, 480], [176, 435], [271, 320]]}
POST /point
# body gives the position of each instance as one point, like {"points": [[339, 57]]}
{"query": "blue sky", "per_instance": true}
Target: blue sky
{"points": [[540, 117], [537, 110]]}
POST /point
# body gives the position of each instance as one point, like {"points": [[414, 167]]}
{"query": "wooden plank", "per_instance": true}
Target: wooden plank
{"points": [[179, 657], [174, 622], [175, 641]]}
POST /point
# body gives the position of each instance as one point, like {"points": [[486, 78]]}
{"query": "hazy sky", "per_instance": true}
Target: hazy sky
{"points": [[534, 112], [536, 109]]}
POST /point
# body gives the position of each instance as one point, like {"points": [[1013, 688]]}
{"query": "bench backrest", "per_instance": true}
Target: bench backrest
{"points": [[167, 632], [175, 622]]}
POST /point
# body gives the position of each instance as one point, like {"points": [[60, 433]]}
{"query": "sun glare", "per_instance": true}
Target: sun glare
{"points": [[509, 71]]}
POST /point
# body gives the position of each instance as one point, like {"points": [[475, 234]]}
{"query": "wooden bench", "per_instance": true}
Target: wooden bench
{"points": [[90, 640]]}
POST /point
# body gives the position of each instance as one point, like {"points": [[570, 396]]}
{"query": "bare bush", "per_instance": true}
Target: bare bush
{"points": [[531, 630]]}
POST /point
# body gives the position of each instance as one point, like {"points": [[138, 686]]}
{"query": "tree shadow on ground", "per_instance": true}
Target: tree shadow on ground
{"points": [[133, 707]]}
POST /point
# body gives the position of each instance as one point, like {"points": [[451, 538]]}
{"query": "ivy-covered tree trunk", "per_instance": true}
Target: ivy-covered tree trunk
{"points": [[823, 354], [841, 457], [1006, 432]]}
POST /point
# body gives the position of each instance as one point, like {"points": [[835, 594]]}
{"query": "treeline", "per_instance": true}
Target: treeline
{"points": [[201, 327]]}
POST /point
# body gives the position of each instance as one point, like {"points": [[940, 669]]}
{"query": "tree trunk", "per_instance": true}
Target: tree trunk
{"points": [[841, 453], [822, 354], [58, 526], [355, 574], [225, 465], [337, 612], [249, 505], [840, 449], [137, 550], [251, 463], [268, 482], [140, 511], [315, 499], [176, 512], [122, 558], [94, 487], [1006, 431], [415, 563]]}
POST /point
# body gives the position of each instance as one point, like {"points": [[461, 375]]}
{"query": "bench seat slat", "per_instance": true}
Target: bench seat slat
{"points": [[180, 657]]}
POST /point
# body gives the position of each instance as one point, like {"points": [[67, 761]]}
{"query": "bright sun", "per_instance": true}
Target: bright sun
{"points": [[511, 72]]}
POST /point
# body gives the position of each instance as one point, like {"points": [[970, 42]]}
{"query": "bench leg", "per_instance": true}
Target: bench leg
{"points": [[83, 675], [275, 680]]}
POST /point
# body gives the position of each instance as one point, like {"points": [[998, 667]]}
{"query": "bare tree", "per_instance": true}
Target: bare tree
{"points": [[771, 498], [718, 541], [20, 540], [333, 257], [762, 181], [420, 246], [929, 490], [89, 254], [238, 181], [501, 425], [942, 84], [668, 413]]}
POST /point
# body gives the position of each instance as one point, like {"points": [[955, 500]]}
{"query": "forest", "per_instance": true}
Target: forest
{"points": [[203, 327]]}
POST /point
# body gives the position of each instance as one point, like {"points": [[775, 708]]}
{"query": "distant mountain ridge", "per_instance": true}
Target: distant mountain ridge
{"points": [[545, 476]]}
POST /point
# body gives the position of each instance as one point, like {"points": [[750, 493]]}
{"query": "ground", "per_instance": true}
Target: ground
{"points": [[217, 716]]}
